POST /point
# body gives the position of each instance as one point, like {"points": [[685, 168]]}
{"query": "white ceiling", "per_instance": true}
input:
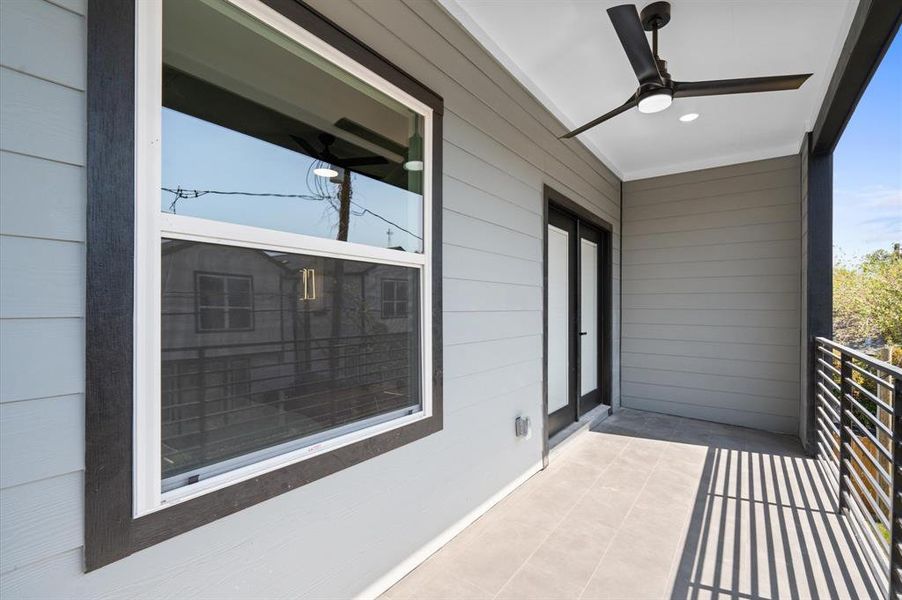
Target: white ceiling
{"points": [[567, 54]]}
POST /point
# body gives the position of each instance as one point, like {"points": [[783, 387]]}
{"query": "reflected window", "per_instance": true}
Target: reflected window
{"points": [[224, 302], [394, 298], [318, 363]]}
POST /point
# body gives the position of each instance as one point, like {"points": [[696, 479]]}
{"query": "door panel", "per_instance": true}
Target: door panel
{"points": [[558, 318], [576, 259], [588, 316]]}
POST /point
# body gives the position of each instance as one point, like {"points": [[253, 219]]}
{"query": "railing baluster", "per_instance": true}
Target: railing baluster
{"points": [[866, 510], [845, 425], [895, 542]]}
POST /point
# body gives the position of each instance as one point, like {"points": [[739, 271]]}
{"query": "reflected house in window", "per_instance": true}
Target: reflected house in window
{"points": [[262, 348]]}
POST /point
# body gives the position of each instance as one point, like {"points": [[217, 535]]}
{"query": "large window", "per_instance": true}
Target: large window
{"points": [[281, 186], [252, 182]]}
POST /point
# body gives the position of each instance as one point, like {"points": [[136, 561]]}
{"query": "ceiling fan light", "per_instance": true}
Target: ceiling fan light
{"points": [[325, 172], [413, 165], [655, 101]]}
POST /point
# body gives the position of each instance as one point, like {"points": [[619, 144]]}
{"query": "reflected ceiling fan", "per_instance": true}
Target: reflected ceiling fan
{"points": [[327, 156], [656, 89]]}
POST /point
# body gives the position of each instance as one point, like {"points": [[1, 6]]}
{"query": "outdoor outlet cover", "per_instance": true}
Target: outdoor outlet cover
{"points": [[523, 427]]}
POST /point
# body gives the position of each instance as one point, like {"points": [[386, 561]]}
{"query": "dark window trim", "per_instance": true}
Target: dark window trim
{"points": [[111, 531], [557, 200], [197, 307]]}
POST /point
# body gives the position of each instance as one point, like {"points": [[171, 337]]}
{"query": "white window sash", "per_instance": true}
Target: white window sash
{"points": [[151, 225]]}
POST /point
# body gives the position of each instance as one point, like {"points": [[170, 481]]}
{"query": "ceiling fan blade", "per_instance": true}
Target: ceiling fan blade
{"points": [[686, 89], [360, 161], [305, 145], [625, 19], [622, 108]]}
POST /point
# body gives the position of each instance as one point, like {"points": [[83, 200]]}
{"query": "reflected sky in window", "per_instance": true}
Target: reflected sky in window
{"points": [[199, 156]]}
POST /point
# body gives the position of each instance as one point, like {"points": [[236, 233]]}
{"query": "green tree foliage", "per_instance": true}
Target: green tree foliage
{"points": [[867, 300]]}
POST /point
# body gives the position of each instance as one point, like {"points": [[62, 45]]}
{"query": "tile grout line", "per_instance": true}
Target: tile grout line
{"points": [[561, 520], [618, 529]]}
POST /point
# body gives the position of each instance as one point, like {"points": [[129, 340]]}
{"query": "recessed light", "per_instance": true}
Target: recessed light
{"points": [[325, 172], [689, 117]]}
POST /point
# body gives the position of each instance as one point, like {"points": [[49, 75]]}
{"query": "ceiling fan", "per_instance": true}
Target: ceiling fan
{"points": [[326, 155], [656, 89]]}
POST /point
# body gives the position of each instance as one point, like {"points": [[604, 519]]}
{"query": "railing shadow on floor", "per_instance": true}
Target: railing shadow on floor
{"points": [[765, 524]]}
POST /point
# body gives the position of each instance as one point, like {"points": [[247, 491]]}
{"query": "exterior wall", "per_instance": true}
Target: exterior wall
{"points": [[711, 298], [348, 533]]}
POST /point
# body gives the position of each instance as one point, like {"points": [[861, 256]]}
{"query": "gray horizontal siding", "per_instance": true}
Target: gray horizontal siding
{"points": [[500, 148], [711, 310]]}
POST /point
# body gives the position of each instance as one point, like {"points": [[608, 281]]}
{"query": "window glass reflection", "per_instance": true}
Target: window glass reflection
{"points": [[263, 352], [257, 130]]}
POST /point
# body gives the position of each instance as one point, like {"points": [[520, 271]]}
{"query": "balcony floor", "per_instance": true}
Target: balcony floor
{"points": [[652, 506]]}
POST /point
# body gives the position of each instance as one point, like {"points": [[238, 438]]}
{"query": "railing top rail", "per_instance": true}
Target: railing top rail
{"points": [[870, 360]]}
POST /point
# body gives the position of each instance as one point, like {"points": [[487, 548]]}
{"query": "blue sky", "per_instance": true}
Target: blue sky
{"points": [[867, 167]]}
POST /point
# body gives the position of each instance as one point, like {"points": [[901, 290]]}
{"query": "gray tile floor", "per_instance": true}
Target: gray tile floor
{"points": [[651, 506]]}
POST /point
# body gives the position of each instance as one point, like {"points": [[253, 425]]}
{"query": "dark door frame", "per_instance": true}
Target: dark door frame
{"points": [[561, 203]]}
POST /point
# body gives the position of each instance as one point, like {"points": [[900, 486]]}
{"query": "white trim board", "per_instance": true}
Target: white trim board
{"points": [[407, 565], [479, 34]]}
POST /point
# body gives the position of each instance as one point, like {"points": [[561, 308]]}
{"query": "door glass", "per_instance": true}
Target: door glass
{"points": [[558, 318], [589, 316]]}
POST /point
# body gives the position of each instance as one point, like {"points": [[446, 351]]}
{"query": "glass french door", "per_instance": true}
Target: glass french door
{"points": [[573, 312]]}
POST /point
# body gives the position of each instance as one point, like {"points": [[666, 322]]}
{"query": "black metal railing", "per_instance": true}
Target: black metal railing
{"points": [[859, 437], [219, 401]]}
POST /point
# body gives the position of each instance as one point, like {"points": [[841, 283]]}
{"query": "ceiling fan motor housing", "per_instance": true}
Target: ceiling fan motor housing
{"points": [[655, 16]]}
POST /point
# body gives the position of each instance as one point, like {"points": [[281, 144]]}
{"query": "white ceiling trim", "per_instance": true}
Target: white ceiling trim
{"points": [[485, 40], [764, 152]]}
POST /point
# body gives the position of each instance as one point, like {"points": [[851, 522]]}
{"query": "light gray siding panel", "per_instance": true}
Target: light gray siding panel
{"points": [[477, 234], [711, 333], [41, 198], [758, 167], [500, 148], [475, 388], [465, 359], [466, 328], [79, 7], [40, 519], [770, 353], [40, 438], [476, 265], [40, 278], [711, 309], [37, 38], [761, 233], [40, 118], [735, 251], [461, 295], [40, 358], [725, 202], [712, 285], [753, 419], [765, 370]]}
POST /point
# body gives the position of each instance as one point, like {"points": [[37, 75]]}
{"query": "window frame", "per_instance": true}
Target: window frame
{"points": [[124, 511]]}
